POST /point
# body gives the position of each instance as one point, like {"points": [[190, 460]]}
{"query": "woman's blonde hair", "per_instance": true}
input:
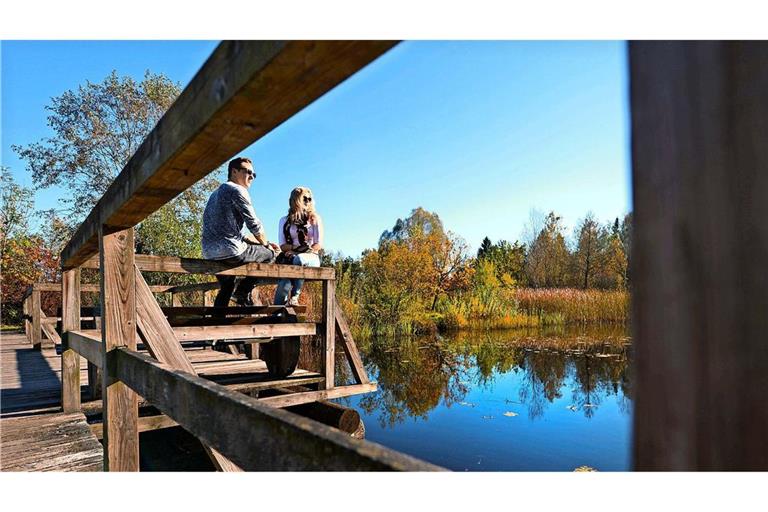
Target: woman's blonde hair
{"points": [[298, 211]]}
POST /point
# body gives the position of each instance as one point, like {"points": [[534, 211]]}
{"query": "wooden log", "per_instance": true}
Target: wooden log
{"points": [[161, 343], [220, 332], [118, 296], [329, 332], [208, 298], [334, 415], [70, 359], [175, 300], [36, 329], [700, 286], [256, 437], [350, 347]]}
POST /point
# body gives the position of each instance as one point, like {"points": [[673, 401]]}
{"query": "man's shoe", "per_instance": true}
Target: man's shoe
{"points": [[294, 301], [243, 300]]}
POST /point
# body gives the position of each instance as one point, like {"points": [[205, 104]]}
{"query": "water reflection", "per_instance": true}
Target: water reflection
{"points": [[416, 376]]}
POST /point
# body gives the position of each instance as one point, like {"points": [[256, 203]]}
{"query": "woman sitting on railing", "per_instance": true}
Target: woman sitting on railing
{"points": [[301, 238]]}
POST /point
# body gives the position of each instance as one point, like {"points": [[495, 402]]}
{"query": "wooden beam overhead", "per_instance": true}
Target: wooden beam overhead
{"points": [[243, 91]]}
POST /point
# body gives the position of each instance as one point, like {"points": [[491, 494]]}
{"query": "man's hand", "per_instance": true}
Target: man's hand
{"points": [[274, 247]]}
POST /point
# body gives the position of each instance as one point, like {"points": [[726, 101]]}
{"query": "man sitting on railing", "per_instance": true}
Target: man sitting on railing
{"points": [[228, 208]]}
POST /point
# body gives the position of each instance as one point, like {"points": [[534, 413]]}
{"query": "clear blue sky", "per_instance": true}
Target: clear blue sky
{"points": [[478, 132]]}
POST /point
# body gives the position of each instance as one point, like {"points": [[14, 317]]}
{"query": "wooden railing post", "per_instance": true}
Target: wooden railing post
{"points": [[329, 331], [118, 329], [27, 330], [70, 321], [36, 331]]}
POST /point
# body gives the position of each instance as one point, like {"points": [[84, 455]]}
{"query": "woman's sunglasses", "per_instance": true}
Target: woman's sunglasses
{"points": [[307, 199]]}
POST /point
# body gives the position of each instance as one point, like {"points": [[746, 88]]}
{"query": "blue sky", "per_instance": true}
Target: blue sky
{"points": [[478, 132]]}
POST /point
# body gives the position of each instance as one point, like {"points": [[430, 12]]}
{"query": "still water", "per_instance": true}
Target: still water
{"points": [[543, 400]]}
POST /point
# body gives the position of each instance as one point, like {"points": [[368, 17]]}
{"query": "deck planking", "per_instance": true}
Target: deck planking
{"points": [[49, 442]]}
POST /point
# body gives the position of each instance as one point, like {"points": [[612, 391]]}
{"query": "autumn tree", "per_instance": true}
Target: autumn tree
{"points": [[589, 253], [96, 129], [508, 260], [547, 260], [24, 258]]}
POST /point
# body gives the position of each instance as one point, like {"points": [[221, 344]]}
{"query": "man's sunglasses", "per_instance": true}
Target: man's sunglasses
{"points": [[248, 172]]}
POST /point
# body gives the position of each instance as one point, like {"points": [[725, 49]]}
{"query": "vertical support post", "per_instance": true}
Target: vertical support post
{"points": [[175, 300], [329, 331], [36, 331], [700, 243], [118, 329], [70, 321], [207, 299], [27, 330]]}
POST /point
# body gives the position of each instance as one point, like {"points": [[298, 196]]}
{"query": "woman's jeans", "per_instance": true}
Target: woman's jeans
{"points": [[287, 288]]}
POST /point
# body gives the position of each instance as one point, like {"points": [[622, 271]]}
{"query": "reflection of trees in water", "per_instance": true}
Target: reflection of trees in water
{"points": [[415, 375]]}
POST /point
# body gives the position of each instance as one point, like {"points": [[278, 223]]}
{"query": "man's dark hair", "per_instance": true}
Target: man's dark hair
{"points": [[237, 163]]}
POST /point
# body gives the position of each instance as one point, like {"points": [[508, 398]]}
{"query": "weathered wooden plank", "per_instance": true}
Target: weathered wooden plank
{"points": [[27, 324], [350, 348], [172, 264], [146, 423], [699, 252], [160, 341], [48, 330], [70, 359], [323, 394], [329, 332], [243, 91], [56, 287], [118, 296], [220, 332], [195, 287], [49, 442], [155, 329], [236, 310], [36, 332], [87, 346], [253, 435]]}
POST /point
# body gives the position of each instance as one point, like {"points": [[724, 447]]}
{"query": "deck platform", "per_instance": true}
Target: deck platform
{"points": [[49, 442]]}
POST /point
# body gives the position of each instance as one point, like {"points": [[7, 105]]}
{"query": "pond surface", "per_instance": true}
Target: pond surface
{"points": [[515, 400]]}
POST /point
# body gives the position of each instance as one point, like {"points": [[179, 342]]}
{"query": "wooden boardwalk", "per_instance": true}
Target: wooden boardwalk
{"points": [[34, 434]]}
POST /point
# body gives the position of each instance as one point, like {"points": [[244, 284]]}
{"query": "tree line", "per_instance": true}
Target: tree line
{"points": [[422, 276]]}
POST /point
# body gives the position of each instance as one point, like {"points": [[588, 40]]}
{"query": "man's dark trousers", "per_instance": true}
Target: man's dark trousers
{"points": [[252, 254]]}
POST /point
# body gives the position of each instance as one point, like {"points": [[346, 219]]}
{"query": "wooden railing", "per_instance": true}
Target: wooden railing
{"points": [[243, 91]]}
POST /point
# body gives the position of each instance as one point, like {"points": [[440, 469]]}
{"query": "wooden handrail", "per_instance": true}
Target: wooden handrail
{"points": [[252, 435]]}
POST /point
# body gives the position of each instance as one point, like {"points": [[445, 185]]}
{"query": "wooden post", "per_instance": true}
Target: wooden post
{"points": [[699, 252], [36, 330], [70, 321], [175, 300], [118, 329], [329, 331], [208, 298], [27, 329]]}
